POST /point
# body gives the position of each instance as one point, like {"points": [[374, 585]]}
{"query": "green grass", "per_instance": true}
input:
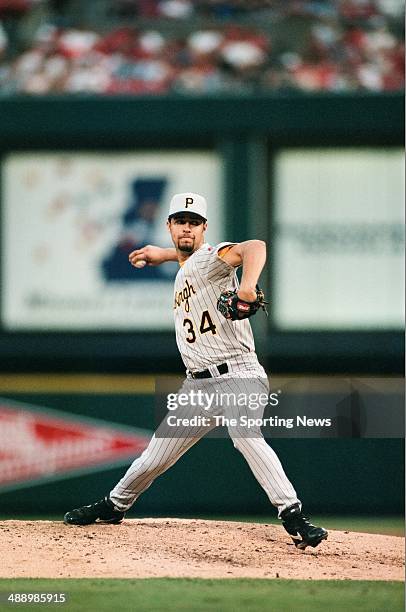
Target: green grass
{"points": [[387, 525], [170, 595]]}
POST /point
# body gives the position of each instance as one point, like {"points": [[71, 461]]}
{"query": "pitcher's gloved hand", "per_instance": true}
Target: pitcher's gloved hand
{"points": [[234, 308]]}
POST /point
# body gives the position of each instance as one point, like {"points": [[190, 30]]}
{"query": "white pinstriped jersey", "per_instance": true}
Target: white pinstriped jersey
{"points": [[204, 337]]}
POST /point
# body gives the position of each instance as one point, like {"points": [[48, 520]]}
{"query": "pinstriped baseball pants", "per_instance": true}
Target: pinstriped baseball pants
{"points": [[169, 443]]}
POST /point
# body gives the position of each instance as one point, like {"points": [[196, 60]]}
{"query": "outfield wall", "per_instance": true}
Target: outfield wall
{"points": [[247, 136], [332, 476]]}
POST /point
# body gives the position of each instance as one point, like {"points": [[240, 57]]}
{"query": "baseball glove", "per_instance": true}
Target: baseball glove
{"points": [[235, 309]]}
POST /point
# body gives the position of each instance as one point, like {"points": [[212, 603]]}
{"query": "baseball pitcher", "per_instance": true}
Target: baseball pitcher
{"points": [[214, 336]]}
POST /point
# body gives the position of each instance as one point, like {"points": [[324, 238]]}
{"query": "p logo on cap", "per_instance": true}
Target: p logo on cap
{"points": [[188, 202]]}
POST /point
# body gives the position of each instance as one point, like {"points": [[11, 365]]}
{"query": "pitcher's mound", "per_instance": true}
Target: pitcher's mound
{"points": [[144, 548]]}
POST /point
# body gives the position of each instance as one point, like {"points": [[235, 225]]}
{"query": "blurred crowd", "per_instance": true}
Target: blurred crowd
{"points": [[202, 47]]}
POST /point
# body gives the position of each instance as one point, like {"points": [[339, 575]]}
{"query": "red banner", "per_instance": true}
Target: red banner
{"points": [[40, 444]]}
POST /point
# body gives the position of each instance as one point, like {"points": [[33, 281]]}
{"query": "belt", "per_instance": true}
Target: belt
{"points": [[222, 369]]}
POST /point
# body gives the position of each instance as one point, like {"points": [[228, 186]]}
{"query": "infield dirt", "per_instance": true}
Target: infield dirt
{"points": [[145, 548]]}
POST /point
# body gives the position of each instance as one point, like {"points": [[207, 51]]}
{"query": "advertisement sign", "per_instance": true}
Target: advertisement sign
{"points": [[338, 239], [39, 444], [71, 219]]}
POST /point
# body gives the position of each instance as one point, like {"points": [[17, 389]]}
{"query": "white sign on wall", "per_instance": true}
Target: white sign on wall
{"points": [[71, 219], [339, 239]]}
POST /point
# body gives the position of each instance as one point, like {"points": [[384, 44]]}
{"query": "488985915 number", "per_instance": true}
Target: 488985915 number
{"points": [[33, 598]]}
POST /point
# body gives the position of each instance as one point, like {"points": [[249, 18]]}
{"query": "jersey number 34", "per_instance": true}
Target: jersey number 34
{"points": [[206, 325]]}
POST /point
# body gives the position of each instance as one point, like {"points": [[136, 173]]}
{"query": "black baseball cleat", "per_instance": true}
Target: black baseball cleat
{"points": [[102, 511], [300, 529]]}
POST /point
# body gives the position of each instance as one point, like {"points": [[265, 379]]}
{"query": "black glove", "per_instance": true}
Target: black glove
{"points": [[234, 308]]}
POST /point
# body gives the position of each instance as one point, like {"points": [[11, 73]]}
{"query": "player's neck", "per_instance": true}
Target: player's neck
{"points": [[182, 257]]}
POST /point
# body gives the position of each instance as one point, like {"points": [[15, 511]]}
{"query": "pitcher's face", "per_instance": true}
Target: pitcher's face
{"points": [[187, 232]]}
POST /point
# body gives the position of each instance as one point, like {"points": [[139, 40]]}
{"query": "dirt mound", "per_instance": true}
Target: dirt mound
{"points": [[143, 548]]}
